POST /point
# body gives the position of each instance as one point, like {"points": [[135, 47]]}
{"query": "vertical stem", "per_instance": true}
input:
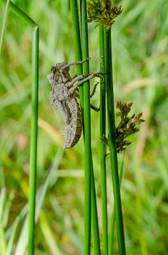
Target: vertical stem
{"points": [[94, 216], [78, 53], [33, 146], [102, 149], [90, 192], [113, 217], [34, 126], [87, 132], [112, 143], [78, 49]]}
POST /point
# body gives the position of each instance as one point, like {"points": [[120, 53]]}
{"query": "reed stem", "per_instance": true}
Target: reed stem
{"points": [[90, 192], [113, 217], [89, 175], [112, 143], [33, 147], [4, 20], [34, 128], [102, 149]]}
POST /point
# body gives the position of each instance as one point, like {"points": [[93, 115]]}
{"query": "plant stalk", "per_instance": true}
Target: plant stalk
{"points": [[90, 192], [33, 146], [112, 142], [34, 127], [113, 217], [102, 149], [4, 20], [78, 47]]}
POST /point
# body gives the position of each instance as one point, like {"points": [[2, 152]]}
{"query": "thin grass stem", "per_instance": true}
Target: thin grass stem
{"points": [[94, 216], [112, 143], [78, 48], [90, 192], [4, 20], [102, 149], [113, 217], [34, 128], [78, 53], [33, 147]]}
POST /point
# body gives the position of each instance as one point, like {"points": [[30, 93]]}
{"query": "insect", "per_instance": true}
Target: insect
{"points": [[64, 98]]}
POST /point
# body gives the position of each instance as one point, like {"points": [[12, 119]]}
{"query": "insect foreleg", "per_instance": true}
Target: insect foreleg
{"points": [[76, 63]]}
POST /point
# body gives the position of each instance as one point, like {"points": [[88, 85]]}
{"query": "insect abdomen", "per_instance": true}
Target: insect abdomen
{"points": [[73, 130]]}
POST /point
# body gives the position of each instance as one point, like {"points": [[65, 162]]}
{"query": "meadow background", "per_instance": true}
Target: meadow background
{"points": [[140, 53]]}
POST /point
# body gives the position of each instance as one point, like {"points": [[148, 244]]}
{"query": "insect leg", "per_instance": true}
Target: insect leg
{"points": [[97, 109], [88, 77], [94, 89], [76, 63], [79, 80], [73, 84]]}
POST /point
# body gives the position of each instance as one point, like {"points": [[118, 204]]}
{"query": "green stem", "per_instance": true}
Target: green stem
{"points": [[94, 217], [87, 132], [90, 192], [78, 52], [78, 48], [102, 149], [33, 147], [4, 20], [112, 143], [34, 128], [113, 218]]}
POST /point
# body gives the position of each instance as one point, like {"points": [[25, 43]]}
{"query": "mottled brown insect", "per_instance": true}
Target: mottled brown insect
{"points": [[64, 98]]}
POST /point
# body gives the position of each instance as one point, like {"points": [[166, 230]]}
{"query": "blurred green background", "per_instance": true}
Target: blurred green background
{"points": [[140, 54]]}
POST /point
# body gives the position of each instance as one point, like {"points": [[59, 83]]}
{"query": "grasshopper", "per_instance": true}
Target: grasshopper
{"points": [[64, 98]]}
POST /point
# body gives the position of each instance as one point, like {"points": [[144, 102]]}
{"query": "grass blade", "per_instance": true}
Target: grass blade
{"points": [[33, 148], [113, 218], [112, 143], [90, 200], [4, 24], [102, 149]]}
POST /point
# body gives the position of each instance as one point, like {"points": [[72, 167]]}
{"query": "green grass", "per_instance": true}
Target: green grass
{"points": [[140, 75], [34, 121], [102, 148], [82, 52], [112, 142]]}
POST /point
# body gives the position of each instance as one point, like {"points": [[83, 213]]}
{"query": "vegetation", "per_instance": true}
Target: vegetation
{"points": [[139, 47]]}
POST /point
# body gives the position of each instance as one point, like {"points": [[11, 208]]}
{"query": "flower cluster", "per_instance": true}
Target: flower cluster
{"points": [[103, 13], [127, 125]]}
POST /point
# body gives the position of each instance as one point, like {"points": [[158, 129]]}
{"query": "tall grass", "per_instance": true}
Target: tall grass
{"points": [[102, 148], [140, 74], [4, 20], [34, 123], [112, 142], [82, 52], [34, 137]]}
